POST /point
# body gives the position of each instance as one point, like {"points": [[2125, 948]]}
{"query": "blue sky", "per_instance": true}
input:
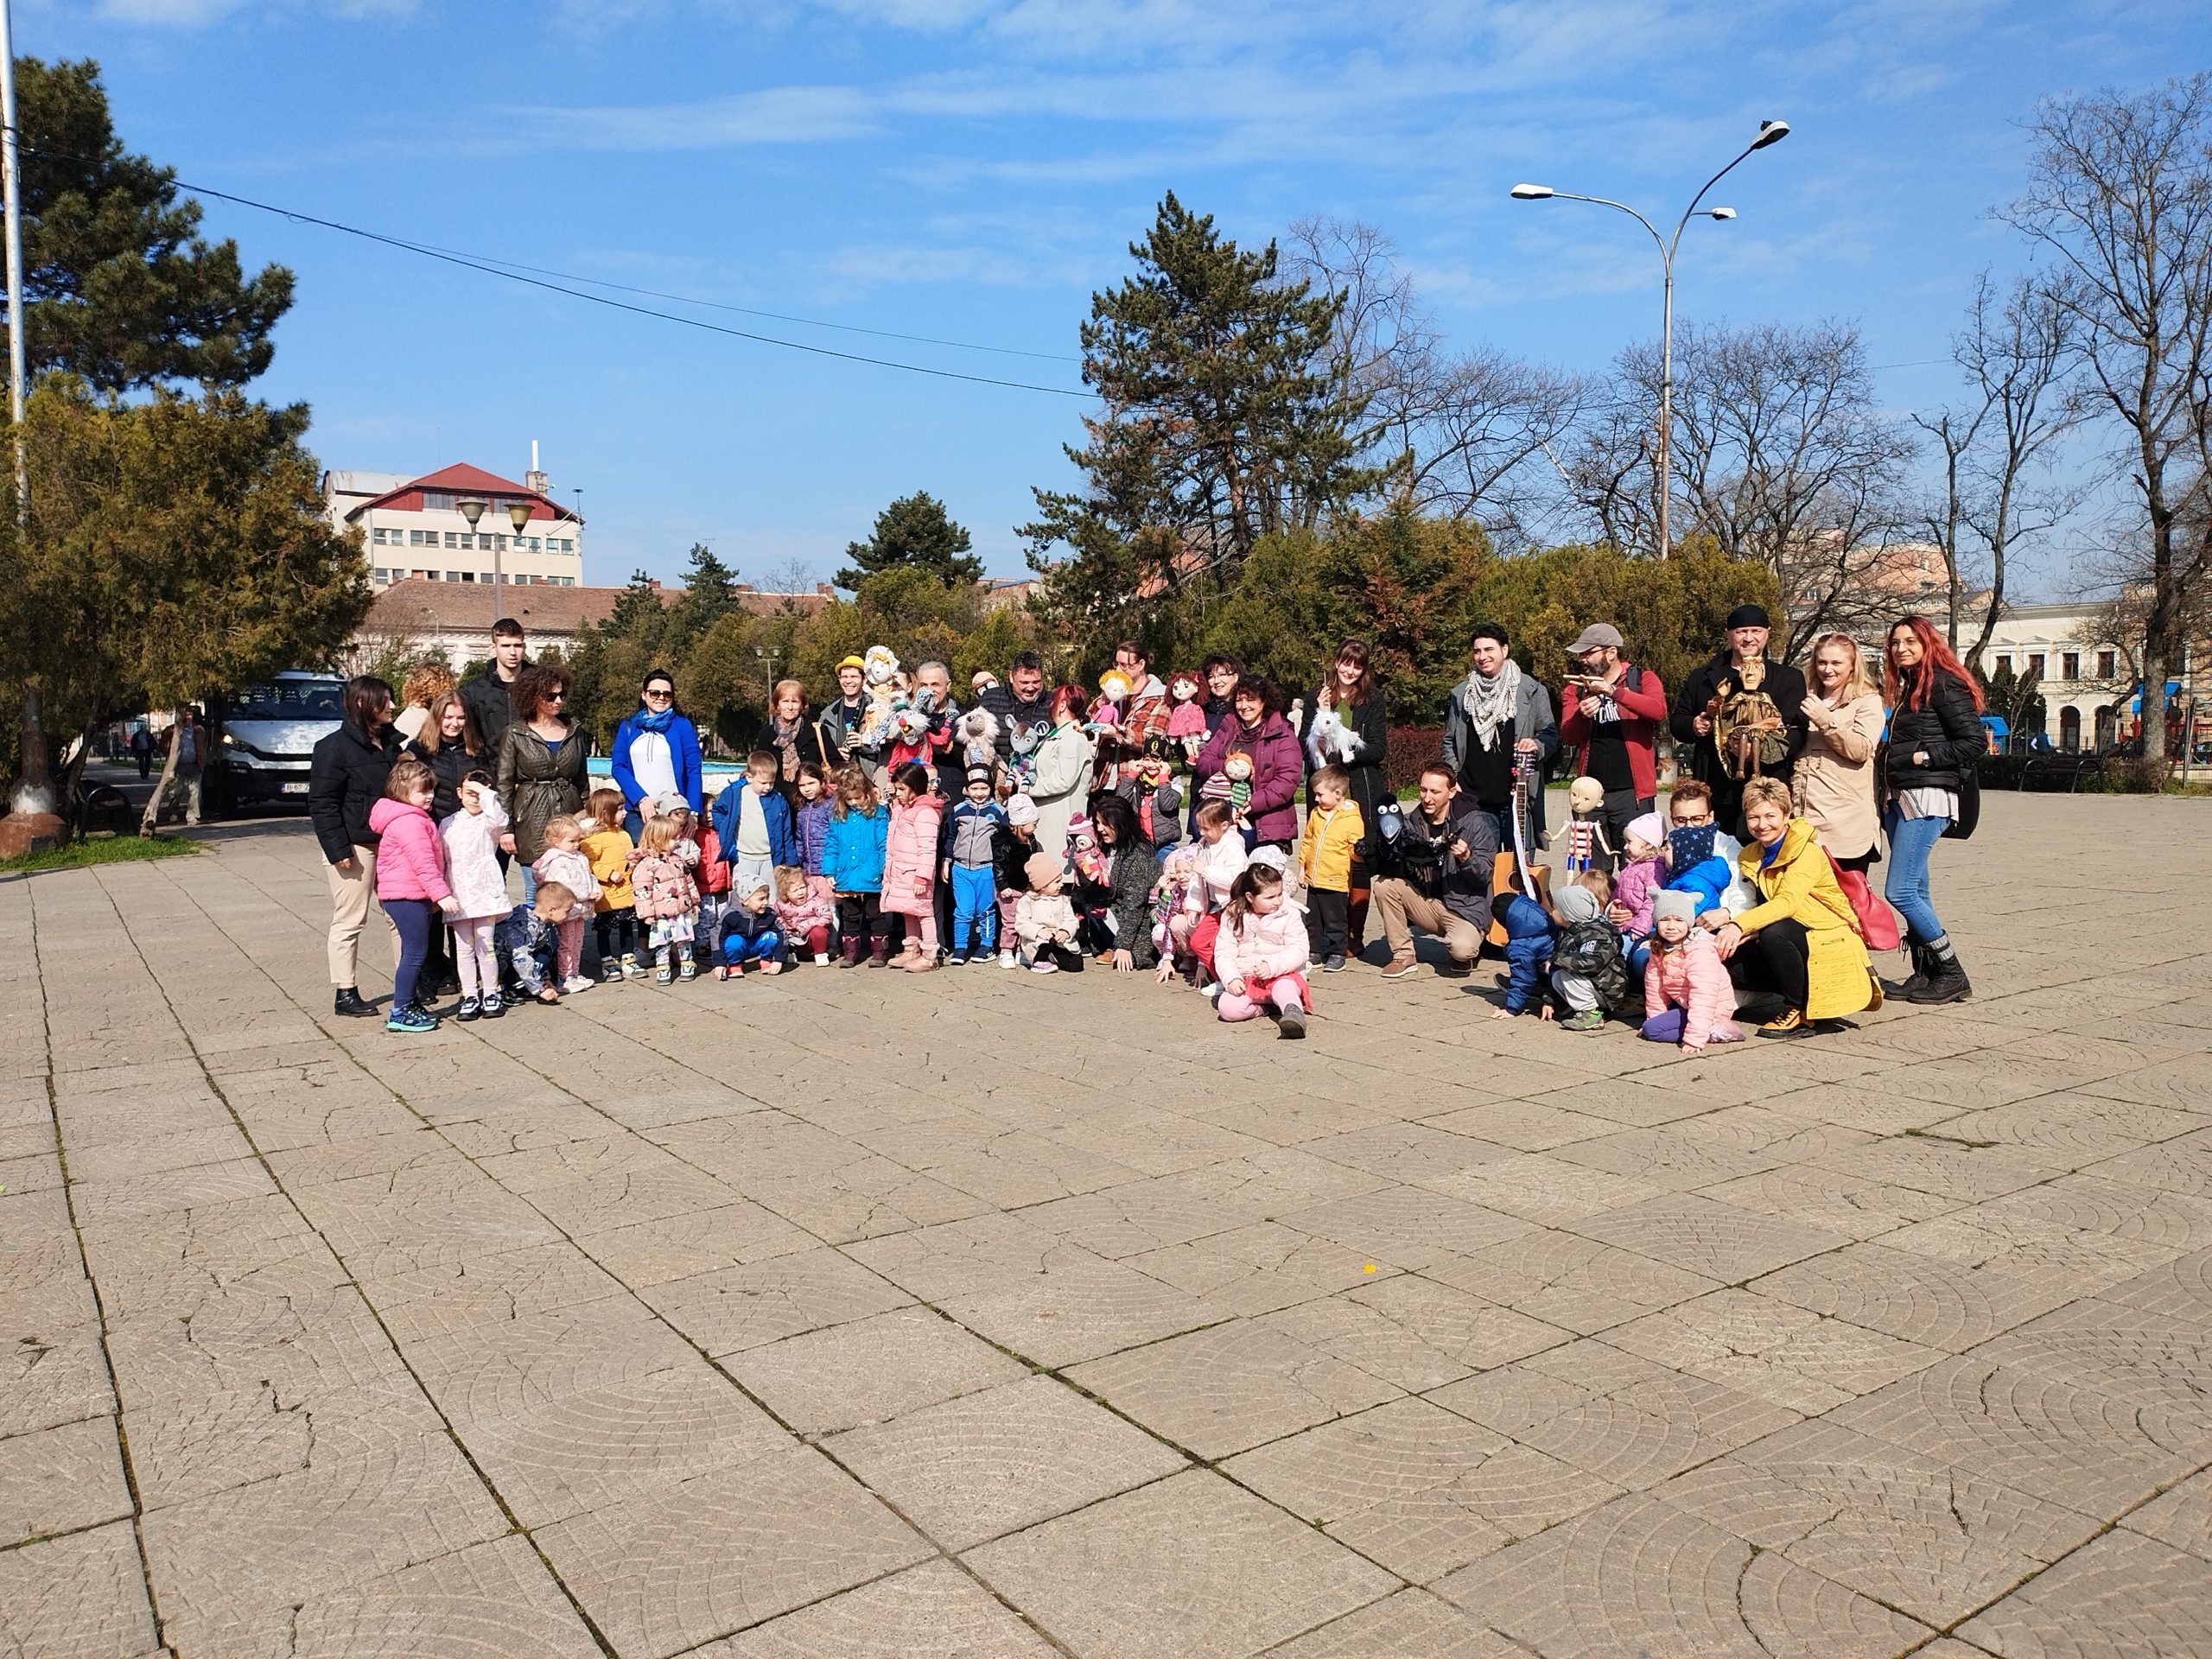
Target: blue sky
{"points": [[973, 169]]}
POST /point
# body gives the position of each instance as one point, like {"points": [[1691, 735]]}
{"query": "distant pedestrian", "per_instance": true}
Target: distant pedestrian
{"points": [[142, 751]]}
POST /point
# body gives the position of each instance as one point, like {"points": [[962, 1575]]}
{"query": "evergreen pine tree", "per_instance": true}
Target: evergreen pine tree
{"points": [[1221, 423], [914, 532]]}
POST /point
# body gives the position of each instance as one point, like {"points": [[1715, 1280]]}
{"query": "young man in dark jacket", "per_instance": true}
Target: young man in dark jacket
{"points": [[490, 696], [1743, 668]]}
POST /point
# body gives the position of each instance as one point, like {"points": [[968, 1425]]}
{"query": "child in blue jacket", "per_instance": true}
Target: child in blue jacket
{"points": [[852, 860], [1528, 950]]}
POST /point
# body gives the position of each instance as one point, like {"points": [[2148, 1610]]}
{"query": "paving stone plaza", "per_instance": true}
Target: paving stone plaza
{"points": [[858, 1316]]}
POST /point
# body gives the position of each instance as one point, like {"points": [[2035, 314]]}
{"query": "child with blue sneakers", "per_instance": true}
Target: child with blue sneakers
{"points": [[973, 832]]}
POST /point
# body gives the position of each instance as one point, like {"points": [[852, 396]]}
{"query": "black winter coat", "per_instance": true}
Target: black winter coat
{"points": [[346, 776], [490, 702], [449, 765], [1947, 729], [1785, 684]]}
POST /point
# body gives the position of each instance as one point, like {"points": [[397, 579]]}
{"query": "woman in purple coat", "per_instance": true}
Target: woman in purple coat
{"points": [[1256, 728]]}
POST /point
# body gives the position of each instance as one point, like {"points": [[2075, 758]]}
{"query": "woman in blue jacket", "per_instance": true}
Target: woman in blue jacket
{"points": [[656, 750]]}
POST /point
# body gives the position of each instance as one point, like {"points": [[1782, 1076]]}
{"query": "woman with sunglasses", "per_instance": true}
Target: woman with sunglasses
{"points": [[540, 775], [656, 752]]}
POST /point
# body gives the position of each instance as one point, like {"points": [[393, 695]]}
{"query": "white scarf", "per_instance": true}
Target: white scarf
{"points": [[1490, 703]]}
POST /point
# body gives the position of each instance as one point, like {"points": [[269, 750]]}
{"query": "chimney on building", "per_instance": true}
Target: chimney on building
{"points": [[535, 478]]}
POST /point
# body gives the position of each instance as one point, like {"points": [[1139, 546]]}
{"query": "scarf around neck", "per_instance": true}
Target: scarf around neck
{"points": [[1490, 703], [647, 720]]}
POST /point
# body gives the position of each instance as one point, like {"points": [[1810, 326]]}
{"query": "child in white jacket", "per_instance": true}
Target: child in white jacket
{"points": [[1261, 953], [1044, 921], [472, 839]]}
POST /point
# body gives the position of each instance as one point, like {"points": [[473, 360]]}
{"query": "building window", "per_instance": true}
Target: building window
{"points": [[437, 501], [453, 537], [2035, 664], [2108, 664], [2070, 729], [2001, 663], [381, 573], [470, 575], [414, 538], [2108, 727], [2069, 663]]}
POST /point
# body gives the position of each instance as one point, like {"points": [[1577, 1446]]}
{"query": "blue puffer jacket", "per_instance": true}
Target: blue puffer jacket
{"points": [[1704, 881], [852, 860], [783, 846], [1528, 948]]}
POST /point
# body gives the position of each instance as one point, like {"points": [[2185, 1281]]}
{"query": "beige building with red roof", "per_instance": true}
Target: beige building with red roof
{"points": [[418, 529]]}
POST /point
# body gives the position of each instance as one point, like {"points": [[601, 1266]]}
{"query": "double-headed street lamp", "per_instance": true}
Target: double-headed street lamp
{"points": [[517, 515], [1771, 132]]}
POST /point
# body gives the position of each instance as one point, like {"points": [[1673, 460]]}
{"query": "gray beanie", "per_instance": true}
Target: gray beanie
{"points": [[1576, 905], [1667, 902]]}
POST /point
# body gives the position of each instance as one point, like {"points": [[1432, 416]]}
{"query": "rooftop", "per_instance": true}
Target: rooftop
{"points": [[420, 607]]}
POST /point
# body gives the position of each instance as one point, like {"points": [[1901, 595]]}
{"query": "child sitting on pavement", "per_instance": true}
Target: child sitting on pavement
{"points": [[1588, 974], [1044, 921], [529, 939], [1642, 873], [1262, 952], [1687, 995]]}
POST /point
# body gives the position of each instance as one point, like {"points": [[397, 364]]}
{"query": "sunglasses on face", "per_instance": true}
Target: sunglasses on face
{"points": [[659, 696]]}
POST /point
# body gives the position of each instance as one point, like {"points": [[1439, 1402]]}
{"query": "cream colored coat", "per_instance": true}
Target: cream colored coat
{"points": [[1834, 781]]}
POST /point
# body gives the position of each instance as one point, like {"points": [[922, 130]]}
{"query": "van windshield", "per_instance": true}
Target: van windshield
{"points": [[291, 700]]}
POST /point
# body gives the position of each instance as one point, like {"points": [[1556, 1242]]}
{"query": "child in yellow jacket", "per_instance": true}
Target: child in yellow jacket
{"points": [[1333, 829], [608, 846]]}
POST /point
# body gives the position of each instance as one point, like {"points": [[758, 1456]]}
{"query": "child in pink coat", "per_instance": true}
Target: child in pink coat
{"points": [[910, 858], [1642, 873], [1261, 953], [411, 883], [1687, 995]]}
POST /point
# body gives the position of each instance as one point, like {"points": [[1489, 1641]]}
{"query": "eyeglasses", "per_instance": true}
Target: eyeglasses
{"points": [[1691, 823], [659, 696], [556, 697]]}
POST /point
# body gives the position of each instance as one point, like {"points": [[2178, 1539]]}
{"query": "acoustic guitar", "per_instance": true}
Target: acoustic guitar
{"points": [[1513, 870]]}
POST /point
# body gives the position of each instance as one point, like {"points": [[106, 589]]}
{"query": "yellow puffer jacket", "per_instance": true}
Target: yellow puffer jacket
{"points": [[1799, 885], [609, 852], [1325, 850]]}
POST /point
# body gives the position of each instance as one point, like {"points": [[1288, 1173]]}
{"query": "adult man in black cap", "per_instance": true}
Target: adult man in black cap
{"points": [[1741, 716]]}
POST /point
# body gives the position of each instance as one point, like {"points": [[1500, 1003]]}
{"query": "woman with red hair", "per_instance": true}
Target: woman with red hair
{"points": [[1935, 741]]}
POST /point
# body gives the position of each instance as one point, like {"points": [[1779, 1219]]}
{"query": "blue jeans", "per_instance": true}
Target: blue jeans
{"points": [[1911, 840]]}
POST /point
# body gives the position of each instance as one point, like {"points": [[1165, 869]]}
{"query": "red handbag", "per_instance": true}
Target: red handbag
{"points": [[1876, 924]]}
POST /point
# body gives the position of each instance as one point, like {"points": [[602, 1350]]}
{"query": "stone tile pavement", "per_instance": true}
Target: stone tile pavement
{"points": [[852, 1315]]}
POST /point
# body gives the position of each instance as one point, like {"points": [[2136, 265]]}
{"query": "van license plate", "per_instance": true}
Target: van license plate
{"points": [[293, 789]]}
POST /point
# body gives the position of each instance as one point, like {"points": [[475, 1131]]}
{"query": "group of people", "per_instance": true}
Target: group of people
{"points": [[1157, 824]]}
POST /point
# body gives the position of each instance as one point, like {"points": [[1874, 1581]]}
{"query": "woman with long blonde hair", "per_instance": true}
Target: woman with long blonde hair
{"points": [[1833, 785]]}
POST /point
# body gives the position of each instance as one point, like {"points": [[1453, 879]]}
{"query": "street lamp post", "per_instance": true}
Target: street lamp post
{"points": [[1770, 132], [519, 515], [473, 511]]}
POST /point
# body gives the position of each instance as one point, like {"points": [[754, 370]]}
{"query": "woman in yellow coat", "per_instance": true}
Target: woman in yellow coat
{"points": [[1801, 942]]}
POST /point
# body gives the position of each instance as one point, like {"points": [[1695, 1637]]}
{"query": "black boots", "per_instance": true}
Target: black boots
{"points": [[352, 1003], [1911, 989], [1946, 980]]}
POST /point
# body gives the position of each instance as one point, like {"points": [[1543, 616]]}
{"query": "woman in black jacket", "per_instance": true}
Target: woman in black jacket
{"points": [[346, 776], [1936, 741], [1345, 725], [1131, 868]]}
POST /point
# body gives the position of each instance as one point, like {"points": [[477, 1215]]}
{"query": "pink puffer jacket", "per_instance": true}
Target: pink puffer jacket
{"points": [[910, 851], [410, 859]]}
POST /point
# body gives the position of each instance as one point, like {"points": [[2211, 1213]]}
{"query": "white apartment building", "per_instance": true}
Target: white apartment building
{"points": [[2089, 687], [416, 527]]}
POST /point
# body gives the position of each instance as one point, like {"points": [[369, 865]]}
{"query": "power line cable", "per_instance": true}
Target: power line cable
{"points": [[517, 275]]}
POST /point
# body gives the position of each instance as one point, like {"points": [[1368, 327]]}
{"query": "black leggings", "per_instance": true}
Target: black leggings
{"points": [[860, 921], [618, 933], [1774, 960]]}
